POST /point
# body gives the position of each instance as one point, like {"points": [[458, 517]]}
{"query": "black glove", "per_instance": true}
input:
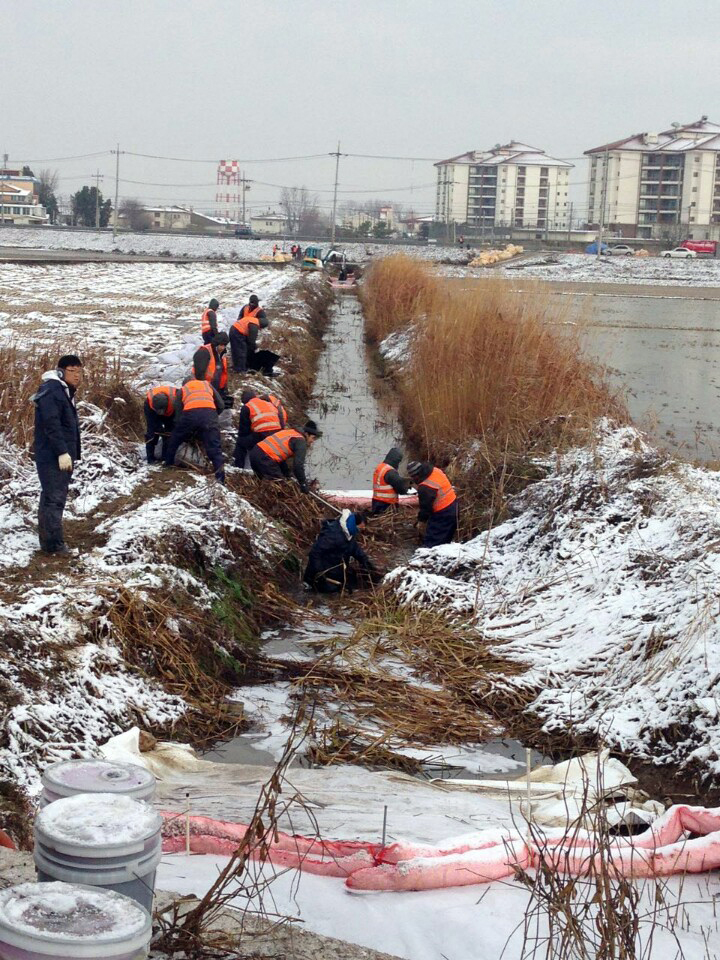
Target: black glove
{"points": [[304, 488]]}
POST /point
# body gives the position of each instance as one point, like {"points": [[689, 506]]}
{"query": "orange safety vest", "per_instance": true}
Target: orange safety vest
{"points": [[275, 401], [445, 492], [212, 367], [156, 392], [247, 316], [263, 416], [383, 491], [277, 446], [198, 395], [206, 325]]}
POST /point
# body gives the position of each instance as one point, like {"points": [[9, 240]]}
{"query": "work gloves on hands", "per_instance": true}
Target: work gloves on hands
{"points": [[65, 461]]}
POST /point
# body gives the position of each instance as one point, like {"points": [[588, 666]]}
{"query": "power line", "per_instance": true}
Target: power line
{"points": [[154, 156]]}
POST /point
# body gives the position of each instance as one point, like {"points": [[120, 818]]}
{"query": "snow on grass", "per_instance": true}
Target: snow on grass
{"points": [[604, 583], [578, 267]]}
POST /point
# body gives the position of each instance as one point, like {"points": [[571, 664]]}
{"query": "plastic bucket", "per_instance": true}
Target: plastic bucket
{"points": [[70, 777], [100, 840], [41, 920]]}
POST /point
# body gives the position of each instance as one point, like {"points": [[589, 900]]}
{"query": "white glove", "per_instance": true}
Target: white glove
{"points": [[65, 461]]}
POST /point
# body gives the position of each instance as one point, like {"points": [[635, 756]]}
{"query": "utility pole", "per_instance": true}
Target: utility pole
{"points": [[244, 185], [97, 177], [335, 191], [2, 189], [603, 195], [570, 222], [117, 188]]}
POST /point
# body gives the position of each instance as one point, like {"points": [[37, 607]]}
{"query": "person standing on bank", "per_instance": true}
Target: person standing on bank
{"points": [[437, 501], [56, 447], [208, 322], [244, 332]]}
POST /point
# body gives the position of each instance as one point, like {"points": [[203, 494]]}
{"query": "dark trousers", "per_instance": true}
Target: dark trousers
{"points": [[264, 466], [441, 526], [245, 443], [207, 336], [156, 427], [204, 425], [54, 483], [379, 506], [239, 351]]}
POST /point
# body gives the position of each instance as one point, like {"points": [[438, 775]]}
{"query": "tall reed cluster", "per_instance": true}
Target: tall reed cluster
{"points": [[491, 368]]}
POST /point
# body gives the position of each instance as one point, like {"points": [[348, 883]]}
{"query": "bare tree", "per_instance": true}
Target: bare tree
{"points": [[135, 214], [301, 209]]}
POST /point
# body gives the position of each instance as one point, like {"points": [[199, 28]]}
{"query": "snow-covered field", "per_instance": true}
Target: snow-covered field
{"points": [[189, 246], [583, 268]]}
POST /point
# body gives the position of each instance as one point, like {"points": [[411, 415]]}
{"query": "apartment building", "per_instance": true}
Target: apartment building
{"points": [[512, 185], [659, 185]]}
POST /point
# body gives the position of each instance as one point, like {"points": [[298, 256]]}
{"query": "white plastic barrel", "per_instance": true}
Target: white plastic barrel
{"points": [[69, 777], [101, 840], [41, 920]]}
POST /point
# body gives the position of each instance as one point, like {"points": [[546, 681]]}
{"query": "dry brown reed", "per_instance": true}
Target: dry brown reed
{"points": [[395, 293], [494, 374], [104, 384]]}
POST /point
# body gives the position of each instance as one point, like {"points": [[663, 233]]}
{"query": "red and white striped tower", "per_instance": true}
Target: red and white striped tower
{"points": [[228, 201]]}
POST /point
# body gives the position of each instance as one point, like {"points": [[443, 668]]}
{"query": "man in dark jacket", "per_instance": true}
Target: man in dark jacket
{"points": [[243, 334], [437, 500], [270, 457], [200, 404], [260, 417], [57, 447], [329, 568], [160, 408], [388, 485], [208, 323]]}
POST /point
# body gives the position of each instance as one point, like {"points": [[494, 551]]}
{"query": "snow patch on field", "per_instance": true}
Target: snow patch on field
{"points": [[605, 585], [578, 267]]}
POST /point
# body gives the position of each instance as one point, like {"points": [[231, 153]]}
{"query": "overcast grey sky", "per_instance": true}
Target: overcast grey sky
{"points": [[212, 79]]}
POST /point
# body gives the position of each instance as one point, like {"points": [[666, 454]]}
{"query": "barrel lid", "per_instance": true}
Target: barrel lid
{"points": [[97, 820], [71, 920], [98, 775]]}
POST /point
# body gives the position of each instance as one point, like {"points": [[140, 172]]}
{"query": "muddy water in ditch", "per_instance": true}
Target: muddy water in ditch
{"points": [[665, 352], [360, 424]]}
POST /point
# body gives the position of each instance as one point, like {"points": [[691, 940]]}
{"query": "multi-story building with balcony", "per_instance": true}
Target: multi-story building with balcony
{"points": [[662, 185], [19, 201], [514, 185]]}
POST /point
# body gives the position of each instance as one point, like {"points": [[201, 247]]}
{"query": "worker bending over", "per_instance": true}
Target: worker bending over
{"points": [[160, 408], [200, 404], [259, 418], [210, 363], [437, 501], [388, 485], [330, 563], [270, 457], [208, 323], [243, 334]]}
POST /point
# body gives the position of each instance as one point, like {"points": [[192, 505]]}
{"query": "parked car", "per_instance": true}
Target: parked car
{"points": [[243, 231], [619, 250], [681, 252]]}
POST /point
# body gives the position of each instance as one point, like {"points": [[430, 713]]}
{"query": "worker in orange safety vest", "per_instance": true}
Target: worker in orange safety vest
{"points": [[210, 363], [388, 485], [437, 501], [160, 408], [259, 418], [200, 404], [270, 457], [208, 322], [244, 332]]}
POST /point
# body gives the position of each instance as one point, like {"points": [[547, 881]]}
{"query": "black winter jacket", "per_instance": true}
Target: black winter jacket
{"points": [[56, 422], [332, 548]]}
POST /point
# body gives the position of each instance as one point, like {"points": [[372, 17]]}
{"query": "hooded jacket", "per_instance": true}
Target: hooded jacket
{"points": [[57, 430], [392, 477], [335, 545]]}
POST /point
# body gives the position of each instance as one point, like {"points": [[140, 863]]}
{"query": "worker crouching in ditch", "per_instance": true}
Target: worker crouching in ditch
{"points": [[333, 556], [259, 419], [200, 404], [160, 409], [270, 458], [437, 502]]}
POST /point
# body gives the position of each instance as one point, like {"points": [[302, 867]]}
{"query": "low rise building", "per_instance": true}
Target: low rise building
{"points": [[512, 185], [19, 200], [268, 224], [662, 185]]}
